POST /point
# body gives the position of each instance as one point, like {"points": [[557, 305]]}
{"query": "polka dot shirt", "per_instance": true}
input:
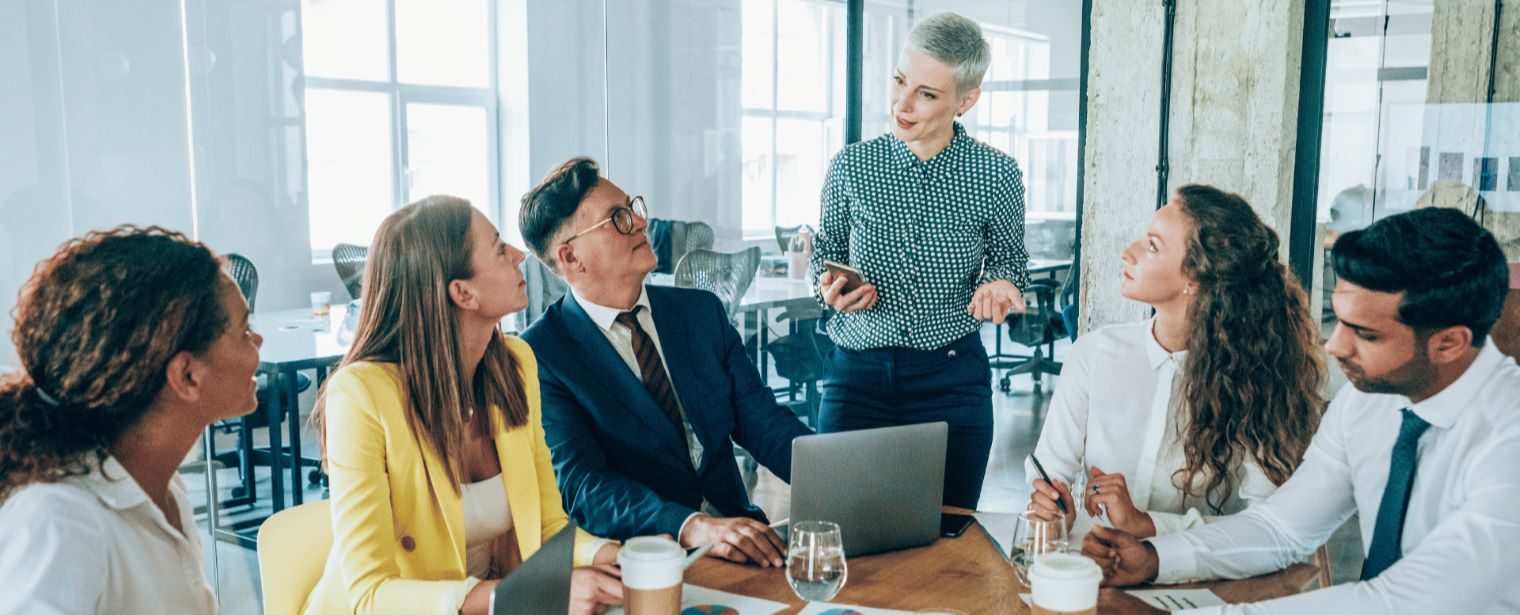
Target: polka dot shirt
{"points": [[926, 233]]}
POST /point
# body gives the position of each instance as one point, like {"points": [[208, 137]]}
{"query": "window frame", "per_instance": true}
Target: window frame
{"points": [[401, 95]]}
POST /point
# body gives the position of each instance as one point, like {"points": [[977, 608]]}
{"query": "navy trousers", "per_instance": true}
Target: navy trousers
{"points": [[885, 387]]}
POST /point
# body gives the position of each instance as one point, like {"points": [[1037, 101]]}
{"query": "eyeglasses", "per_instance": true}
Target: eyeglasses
{"points": [[621, 218]]}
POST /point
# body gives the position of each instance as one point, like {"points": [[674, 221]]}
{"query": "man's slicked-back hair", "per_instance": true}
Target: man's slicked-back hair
{"points": [[1449, 268], [551, 203]]}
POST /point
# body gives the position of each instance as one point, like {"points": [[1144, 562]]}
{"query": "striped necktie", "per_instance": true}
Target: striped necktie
{"points": [[652, 371], [1389, 530]]}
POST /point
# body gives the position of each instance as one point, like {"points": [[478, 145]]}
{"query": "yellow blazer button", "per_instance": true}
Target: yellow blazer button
{"points": [[408, 543]]}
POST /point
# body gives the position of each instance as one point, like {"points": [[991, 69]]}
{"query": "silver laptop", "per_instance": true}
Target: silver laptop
{"points": [[884, 487], [541, 585]]}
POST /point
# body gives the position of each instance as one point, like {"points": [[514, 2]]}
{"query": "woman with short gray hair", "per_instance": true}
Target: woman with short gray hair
{"points": [[934, 222]]}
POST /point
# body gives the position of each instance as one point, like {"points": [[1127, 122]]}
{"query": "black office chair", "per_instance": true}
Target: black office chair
{"points": [[1037, 328], [246, 275], [799, 358], [1070, 310], [348, 260], [727, 275]]}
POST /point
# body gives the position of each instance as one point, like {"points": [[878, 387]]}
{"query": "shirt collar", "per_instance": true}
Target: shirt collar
{"points": [[604, 316], [1443, 408], [904, 157], [111, 483], [1157, 355]]}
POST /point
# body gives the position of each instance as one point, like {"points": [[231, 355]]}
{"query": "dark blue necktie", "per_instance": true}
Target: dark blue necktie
{"points": [[1389, 530]]}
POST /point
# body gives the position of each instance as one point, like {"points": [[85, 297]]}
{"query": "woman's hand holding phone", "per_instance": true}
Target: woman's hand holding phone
{"points": [[831, 287]]}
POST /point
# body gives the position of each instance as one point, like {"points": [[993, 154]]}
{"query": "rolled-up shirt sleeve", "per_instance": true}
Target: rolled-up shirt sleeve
{"points": [[1466, 560]]}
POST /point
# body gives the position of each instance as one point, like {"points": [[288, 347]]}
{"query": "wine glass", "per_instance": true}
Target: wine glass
{"points": [[815, 565], [1033, 537]]}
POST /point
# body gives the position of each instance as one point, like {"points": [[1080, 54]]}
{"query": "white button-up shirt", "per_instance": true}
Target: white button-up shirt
{"points": [[1117, 406], [96, 544], [1461, 539]]}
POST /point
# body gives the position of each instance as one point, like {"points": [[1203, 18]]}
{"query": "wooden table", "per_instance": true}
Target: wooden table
{"points": [[966, 573]]}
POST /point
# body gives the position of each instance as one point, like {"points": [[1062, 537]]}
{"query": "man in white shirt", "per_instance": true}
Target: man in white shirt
{"points": [[1425, 444]]}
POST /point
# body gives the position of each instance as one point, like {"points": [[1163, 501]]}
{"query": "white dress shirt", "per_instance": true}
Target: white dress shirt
{"points": [[1461, 539], [96, 544], [1117, 407]]}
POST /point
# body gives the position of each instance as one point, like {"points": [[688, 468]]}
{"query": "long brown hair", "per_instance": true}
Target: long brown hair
{"points": [[407, 319], [1254, 369], [96, 327]]}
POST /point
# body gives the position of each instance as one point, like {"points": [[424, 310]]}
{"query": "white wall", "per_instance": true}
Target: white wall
{"points": [[95, 130]]}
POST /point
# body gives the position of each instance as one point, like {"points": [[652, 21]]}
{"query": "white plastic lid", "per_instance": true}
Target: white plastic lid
{"points": [[1064, 582], [651, 562]]}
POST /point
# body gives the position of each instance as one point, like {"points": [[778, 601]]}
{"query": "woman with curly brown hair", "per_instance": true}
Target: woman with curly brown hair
{"points": [[1205, 408], [131, 342]]}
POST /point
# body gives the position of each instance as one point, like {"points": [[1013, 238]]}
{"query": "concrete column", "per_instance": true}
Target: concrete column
{"points": [[1234, 103], [1460, 50]]}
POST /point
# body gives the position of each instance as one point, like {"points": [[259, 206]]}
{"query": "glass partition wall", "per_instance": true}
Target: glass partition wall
{"points": [[1420, 110]]}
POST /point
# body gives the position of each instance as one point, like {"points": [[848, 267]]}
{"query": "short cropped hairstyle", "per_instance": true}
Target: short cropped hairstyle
{"points": [[551, 203], [1449, 268], [956, 41]]}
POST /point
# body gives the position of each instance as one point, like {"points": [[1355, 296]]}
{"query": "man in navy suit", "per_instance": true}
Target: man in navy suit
{"points": [[645, 389]]}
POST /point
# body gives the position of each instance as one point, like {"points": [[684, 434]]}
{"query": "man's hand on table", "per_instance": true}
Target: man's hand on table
{"points": [[1125, 560]]}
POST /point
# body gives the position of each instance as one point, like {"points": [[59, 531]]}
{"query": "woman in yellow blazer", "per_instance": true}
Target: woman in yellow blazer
{"points": [[433, 416]]}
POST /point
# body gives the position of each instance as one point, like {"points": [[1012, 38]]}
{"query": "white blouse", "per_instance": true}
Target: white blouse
{"points": [[96, 544], [1116, 408], [486, 516]]}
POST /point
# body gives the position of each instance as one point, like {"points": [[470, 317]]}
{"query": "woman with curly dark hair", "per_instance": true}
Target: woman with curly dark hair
{"points": [[131, 342], [1205, 408]]}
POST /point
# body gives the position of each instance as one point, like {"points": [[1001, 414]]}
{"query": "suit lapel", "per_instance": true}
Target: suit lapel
{"points": [[682, 360], [605, 366]]}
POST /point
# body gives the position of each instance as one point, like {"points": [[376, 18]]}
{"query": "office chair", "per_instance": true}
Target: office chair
{"points": [[246, 275], [1038, 328], [348, 260], [292, 546], [727, 275]]}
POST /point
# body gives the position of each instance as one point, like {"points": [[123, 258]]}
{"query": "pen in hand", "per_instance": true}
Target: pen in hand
{"points": [[1061, 504]]}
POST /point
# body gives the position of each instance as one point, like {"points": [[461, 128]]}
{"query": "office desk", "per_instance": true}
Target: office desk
{"points": [[293, 341], [966, 573]]}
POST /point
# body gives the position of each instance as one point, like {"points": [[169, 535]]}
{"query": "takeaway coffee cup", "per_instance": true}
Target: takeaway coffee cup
{"points": [[653, 569], [1064, 584]]}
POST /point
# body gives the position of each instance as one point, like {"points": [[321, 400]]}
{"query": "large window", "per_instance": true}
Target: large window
{"points": [[793, 90], [400, 104], [793, 119]]}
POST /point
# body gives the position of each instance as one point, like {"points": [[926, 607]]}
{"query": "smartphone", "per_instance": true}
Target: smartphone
{"points": [[851, 275], [952, 525]]}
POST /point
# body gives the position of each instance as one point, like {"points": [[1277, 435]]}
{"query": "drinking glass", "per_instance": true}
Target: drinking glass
{"points": [[1033, 537], [815, 565]]}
